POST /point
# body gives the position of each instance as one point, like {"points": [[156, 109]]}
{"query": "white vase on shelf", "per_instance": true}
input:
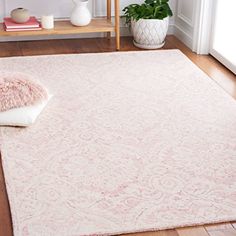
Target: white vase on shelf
{"points": [[81, 15]]}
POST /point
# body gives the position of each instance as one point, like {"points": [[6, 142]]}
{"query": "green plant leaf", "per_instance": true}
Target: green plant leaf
{"points": [[150, 9]]}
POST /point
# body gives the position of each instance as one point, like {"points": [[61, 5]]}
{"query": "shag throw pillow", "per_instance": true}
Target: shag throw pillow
{"points": [[21, 99], [18, 90]]}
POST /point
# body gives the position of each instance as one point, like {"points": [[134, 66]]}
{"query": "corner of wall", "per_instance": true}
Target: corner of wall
{"points": [[183, 36], [185, 21]]}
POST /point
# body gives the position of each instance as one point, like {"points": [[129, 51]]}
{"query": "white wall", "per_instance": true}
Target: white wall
{"points": [[62, 9], [2, 9], [185, 21]]}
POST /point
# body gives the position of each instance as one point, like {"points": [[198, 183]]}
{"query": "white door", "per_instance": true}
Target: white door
{"points": [[223, 45]]}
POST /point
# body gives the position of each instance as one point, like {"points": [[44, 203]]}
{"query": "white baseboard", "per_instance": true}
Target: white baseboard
{"points": [[171, 29], [183, 36]]}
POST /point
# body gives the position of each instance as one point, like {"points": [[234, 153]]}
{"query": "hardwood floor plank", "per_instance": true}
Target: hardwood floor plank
{"points": [[225, 229], [234, 225], [83, 46], [157, 233], [192, 231], [226, 232], [44, 47], [9, 49], [222, 226]]}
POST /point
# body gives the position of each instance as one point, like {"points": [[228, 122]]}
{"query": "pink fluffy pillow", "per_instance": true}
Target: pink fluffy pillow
{"points": [[18, 90]]}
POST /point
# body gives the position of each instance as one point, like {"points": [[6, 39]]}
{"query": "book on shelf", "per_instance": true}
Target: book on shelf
{"points": [[21, 29], [31, 24]]}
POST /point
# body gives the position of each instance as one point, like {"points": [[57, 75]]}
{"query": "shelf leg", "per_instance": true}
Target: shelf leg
{"points": [[117, 24], [109, 16]]}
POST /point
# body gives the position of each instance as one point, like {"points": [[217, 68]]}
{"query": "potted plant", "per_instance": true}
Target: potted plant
{"points": [[149, 22]]}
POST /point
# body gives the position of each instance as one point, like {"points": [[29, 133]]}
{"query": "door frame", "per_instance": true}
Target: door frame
{"points": [[203, 26]]}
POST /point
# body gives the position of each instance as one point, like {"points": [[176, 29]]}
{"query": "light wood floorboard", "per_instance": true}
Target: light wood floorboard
{"points": [[221, 230], [193, 231]]}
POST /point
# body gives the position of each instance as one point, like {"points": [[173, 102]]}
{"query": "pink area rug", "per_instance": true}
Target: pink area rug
{"points": [[130, 142]]}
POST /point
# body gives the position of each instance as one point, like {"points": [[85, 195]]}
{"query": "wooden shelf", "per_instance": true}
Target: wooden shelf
{"points": [[65, 27]]}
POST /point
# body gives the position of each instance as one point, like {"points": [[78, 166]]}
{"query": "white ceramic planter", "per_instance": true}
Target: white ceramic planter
{"points": [[150, 33], [81, 15]]}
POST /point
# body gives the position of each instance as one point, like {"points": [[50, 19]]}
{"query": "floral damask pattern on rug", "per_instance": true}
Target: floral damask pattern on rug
{"points": [[130, 142]]}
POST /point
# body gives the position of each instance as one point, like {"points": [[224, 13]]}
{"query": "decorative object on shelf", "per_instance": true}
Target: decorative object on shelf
{"points": [[81, 15], [47, 22], [149, 22], [31, 25], [20, 15]]}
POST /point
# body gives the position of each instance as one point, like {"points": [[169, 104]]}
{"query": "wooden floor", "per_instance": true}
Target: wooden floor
{"points": [[208, 64]]}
